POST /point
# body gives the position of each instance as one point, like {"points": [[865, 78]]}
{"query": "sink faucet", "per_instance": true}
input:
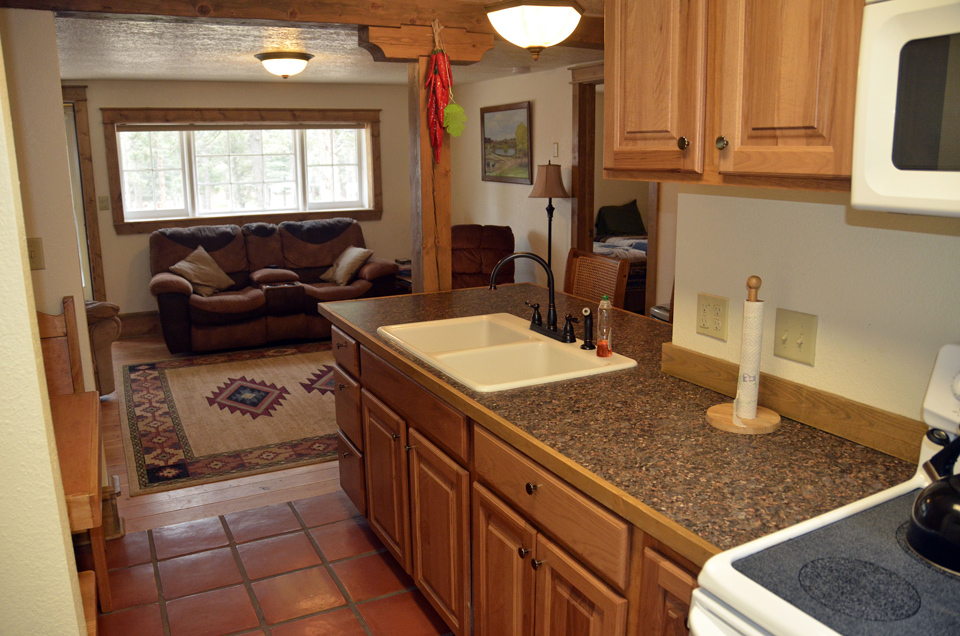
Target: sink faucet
{"points": [[551, 328]]}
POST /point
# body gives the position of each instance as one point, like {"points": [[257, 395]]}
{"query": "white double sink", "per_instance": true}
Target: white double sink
{"points": [[494, 352]]}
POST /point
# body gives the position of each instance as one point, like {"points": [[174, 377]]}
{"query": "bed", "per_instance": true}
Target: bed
{"points": [[619, 233]]}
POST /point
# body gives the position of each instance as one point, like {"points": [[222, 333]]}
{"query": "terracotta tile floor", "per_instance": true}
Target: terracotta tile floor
{"points": [[306, 568]]}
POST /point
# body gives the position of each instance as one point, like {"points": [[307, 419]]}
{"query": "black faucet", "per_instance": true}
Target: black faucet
{"points": [[551, 328]]}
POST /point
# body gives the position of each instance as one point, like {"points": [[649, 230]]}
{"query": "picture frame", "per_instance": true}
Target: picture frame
{"points": [[506, 155]]}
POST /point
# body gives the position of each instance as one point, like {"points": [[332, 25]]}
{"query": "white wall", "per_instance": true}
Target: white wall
{"points": [[885, 286], [39, 593], [491, 203], [126, 259]]}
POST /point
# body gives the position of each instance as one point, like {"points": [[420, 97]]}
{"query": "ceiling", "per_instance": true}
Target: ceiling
{"points": [[97, 48]]}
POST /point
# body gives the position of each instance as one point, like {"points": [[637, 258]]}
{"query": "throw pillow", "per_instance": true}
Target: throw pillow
{"points": [[203, 272], [346, 265]]}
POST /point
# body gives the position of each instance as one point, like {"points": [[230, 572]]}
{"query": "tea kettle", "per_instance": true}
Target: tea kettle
{"points": [[934, 531]]}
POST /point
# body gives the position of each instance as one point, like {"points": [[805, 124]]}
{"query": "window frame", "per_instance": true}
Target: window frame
{"points": [[368, 119]]}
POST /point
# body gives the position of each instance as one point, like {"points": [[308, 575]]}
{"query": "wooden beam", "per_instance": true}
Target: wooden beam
{"points": [[409, 42], [584, 161], [653, 241], [429, 193]]}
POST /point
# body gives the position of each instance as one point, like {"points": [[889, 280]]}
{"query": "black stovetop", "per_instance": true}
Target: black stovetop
{"points": [[858, 576]]}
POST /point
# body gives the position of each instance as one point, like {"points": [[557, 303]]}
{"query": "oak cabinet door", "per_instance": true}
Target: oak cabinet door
{"points": [[665, 595], [439, 530], [385, 463], [350, 461], [503, 579], [347, 403], [571, 601], [787, 85], [655, 74]]}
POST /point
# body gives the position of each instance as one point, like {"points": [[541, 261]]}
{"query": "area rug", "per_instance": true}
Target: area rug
{"points": [[207, 418]]}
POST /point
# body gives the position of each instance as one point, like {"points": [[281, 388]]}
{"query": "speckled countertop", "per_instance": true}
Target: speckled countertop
{"points": [[643, 431]]}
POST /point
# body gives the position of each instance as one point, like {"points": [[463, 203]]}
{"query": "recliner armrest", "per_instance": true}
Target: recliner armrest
{"points": [[272, 276], [376, 267], [169, 283]]}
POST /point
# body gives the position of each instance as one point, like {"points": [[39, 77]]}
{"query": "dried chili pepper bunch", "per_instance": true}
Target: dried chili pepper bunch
{"points": [[442, 111]]}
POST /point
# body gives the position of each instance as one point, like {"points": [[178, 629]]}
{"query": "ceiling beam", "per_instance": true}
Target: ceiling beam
{"points": [[409, 43], [469, 16]]}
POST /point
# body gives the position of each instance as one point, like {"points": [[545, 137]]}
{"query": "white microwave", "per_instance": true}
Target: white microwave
{"points": [[906, 148]]}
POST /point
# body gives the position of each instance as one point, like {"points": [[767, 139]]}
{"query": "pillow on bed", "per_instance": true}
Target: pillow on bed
{"points": [[620, 220]]}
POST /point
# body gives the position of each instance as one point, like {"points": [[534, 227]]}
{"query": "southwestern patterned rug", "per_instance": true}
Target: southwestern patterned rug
{"points": [[207, 418]]}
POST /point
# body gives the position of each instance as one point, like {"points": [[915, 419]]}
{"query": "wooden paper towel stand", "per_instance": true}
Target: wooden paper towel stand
{"points": [[721, 415]]}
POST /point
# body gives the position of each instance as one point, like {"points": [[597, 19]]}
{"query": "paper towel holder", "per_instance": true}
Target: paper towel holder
{"points": [[722, 416]]}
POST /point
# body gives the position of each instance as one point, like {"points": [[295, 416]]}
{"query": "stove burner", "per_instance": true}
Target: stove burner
{"points": [[905, 546], [859, 589]]}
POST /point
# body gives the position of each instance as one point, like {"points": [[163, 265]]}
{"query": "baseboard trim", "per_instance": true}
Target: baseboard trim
{"points": [[144, 323], [875, 428]]}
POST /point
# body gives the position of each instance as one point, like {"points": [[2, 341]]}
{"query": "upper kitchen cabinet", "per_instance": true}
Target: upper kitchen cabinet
{"points": [[656, 54], [775, 103]]}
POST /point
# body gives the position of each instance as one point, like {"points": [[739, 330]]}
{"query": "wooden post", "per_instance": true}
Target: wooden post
{"points": [[584, 157], [429, 192]]}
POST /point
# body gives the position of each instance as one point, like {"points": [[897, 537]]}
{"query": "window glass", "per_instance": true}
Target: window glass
{"points": [[152, 172]]}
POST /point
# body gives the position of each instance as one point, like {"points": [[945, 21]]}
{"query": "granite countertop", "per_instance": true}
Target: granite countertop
{"points": [[645, 432]]}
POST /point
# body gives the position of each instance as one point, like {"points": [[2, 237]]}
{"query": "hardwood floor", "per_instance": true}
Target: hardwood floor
{"points": [[145, 512]]}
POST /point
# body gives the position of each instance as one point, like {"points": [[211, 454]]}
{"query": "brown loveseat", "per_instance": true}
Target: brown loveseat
{"points": [[276, 272], [476, 250]]}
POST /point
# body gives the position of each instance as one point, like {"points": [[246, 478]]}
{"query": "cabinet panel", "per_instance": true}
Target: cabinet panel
{"points": [[439, 530], [503, 581], [347, 402], [350, 462], [385, 463], [571, 601], [788, 76], [598, 537], [665, 596], [656, 59], [345, 351]]}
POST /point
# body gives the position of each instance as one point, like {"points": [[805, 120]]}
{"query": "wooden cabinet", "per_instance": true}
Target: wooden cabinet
{"points": [[350, 461], [347, 402], [517, 569], [751, 92], [385, 461], [439, 530], [665, 592]]}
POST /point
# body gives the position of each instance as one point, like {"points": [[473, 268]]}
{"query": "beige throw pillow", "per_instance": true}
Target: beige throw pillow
{"points": [[203, 272], [346, 265]]}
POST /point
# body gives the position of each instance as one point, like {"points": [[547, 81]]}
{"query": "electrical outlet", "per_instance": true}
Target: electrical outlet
{"points": [[712, 314], [35, 253], [795, 336]]}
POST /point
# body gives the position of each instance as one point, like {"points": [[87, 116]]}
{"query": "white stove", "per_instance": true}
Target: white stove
{"points": [[848, 572]]}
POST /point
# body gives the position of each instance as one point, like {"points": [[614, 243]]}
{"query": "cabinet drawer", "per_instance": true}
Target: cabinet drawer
{"points": [[351, 473], [596, 536], [347, 402], [345, 351], [435, 419]]}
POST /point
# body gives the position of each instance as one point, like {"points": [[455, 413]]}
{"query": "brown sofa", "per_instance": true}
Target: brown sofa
{"points": [[476, 250], [276, 271]]}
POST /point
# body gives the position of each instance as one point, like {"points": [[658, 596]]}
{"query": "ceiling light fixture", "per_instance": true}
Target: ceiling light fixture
{"points": [[284, 63], [534, 24]]}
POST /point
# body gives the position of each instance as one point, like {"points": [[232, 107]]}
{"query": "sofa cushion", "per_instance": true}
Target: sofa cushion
{"points": [[313, 244], [263, 245], [271, 276], [227, 307], [346, 265], [203, 272], [476, 250], [223, 242]]}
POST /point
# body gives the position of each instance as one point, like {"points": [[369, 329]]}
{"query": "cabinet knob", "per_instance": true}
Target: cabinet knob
{"points": [[531, 488], [522, 551], [341, 345], [722, 142], [342, 386], [346, 453], [408, 447], [535, 564], [683, 143], [395, 436]]}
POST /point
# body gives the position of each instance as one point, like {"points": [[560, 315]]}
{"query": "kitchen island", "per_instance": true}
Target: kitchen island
{"points": [[635, 441]]}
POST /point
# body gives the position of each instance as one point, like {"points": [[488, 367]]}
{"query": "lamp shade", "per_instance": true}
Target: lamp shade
{"points": [[284, 63], [549, 183], [534, 24]]}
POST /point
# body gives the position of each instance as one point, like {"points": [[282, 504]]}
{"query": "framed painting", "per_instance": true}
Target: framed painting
{"points": [[507, 143]]}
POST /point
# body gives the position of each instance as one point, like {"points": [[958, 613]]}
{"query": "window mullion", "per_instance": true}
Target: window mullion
{"points": [[189, 173]]}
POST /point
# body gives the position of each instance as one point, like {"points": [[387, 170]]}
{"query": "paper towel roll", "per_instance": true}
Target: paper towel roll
{"points": [[748, 382]]}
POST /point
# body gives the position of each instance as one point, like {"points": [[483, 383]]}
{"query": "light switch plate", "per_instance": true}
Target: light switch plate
{"points": [[35, 253], [712, 314], [103, 203], [795, 336]]}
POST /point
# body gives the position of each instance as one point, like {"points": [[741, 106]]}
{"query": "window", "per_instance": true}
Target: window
{"points": [[190, 167]]}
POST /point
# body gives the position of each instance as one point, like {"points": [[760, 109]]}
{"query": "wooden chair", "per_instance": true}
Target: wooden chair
{"points": [[592, 276], [76, 426]]}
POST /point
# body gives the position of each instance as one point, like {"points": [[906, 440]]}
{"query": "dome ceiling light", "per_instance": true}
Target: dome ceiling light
{"points": [[534, 24], [284, 63]]}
